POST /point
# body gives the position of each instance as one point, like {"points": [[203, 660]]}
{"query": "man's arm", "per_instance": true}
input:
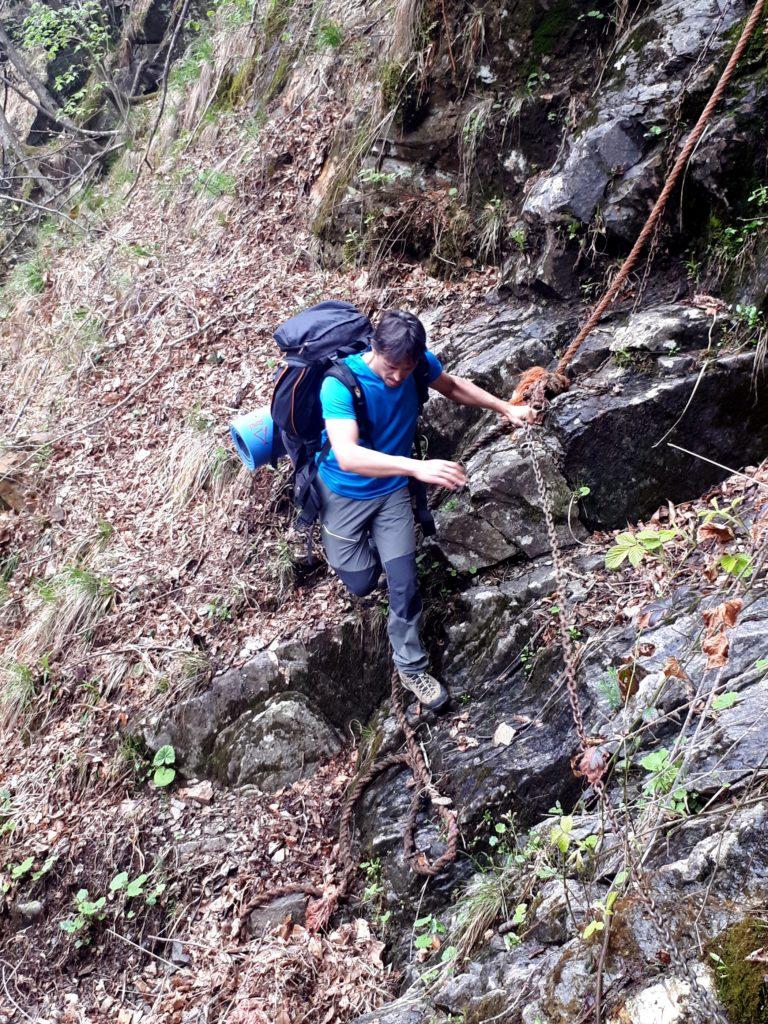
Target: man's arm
{"points": [[353, 458], [464, 392]]}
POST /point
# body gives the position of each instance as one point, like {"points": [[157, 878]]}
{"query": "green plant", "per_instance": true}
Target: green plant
{"points": [[636, 546], [329, 35], [370, 176], [215, 183], [80, 29], [163, 772], [738, 564], [609, 689], [428, 930], [88, 912], [721, 516], [517, 235], [536, 78], [218, 609], [725, 700], [605, 908], [663, 772], [129, 889]]}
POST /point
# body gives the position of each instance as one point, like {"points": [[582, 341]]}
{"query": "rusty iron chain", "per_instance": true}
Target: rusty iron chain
{"points": [[710, 1010]]}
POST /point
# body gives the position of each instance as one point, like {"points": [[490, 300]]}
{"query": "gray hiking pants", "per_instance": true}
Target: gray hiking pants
{"points": [[363, 535]]}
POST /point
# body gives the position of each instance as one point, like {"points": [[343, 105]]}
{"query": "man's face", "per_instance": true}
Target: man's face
{"points": [[393, 374]]}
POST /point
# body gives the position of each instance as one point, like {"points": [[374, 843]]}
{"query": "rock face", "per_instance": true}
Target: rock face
{"points": [[269, 720], [273, 747]]}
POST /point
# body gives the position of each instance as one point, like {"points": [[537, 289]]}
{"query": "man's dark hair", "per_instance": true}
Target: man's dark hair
{"points": [[400, 336]]}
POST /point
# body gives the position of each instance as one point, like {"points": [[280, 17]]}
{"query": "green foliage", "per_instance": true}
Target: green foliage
{"points": [[329, 35], [215, 183], [663, 773], [636, 546], [725, 700], [374, 891], [370, 176], [163, 772], [187, 69], [740, 981], [738, 564], [88, 912], [78, 27], [428, 930], [275, 21], [517, 235], [27, 278], [610, 690]]}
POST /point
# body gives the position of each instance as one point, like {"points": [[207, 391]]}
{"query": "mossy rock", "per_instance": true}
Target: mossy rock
{"points": [[741, 983]]}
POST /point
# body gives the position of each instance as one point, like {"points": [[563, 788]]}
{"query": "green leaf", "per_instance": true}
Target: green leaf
{"points": [[423, 922], [163, 777], [165, 755], [119, 882], [725, 700], [615, 556], [655, 761], [636, 555], [738, 564], [592, 928], [136, 887], [761, 664], [500, 827], [21, 869], [609, 901], [620, 879], [423, 941], [519, 915], [448, 954]]}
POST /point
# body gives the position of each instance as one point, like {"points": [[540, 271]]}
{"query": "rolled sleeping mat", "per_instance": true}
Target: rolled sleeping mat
{"points": [[252, 435]]}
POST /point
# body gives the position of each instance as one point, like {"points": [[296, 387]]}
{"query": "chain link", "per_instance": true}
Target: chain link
{"points": [[709, 1009]]}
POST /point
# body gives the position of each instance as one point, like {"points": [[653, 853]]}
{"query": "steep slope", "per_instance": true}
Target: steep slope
{"points": [[485, 167]]}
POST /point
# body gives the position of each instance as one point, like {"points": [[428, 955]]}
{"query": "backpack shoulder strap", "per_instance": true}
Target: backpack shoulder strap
{"points": [[341, 372], [421, 377]]}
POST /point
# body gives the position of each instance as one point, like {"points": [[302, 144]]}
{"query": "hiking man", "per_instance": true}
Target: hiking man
{"points": [[366, 515]]}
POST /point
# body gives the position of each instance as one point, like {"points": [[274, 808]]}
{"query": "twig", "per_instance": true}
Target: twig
{"points": [[600, 966], [163, 97], [734, 472], [685, 410], [141, 949]]}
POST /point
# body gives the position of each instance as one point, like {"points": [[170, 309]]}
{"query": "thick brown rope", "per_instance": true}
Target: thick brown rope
{"points": [[593, 762], [658, 209], [412, 757], [537, 383]]}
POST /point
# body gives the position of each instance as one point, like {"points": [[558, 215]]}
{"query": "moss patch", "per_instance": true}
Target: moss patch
{"points": [[741, 984], [553, 27]]}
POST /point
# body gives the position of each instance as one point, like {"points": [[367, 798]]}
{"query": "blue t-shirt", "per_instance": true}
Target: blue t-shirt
{"points": [[392, 413]]}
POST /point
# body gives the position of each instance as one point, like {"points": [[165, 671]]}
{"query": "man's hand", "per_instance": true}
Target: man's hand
{"points": [[440, 473], [518, 415]]}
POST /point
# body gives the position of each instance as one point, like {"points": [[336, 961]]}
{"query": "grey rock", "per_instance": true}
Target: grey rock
{"points": [[27, 910], [342, 669], [274, 747], [615, 162], [502, 513], [264, 919]]}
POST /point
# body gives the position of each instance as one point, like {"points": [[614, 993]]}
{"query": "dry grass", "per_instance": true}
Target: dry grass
{"points": [[197, 461], [405, 28]]}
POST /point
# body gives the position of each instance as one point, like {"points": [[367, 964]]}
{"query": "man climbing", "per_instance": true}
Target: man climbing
{"points": [[366, 516]]}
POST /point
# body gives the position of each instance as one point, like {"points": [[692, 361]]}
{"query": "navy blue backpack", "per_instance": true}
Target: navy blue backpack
{"points": [[314, 343]]}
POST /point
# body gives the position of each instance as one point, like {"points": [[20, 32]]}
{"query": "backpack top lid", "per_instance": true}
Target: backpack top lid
{"points": [[323, 330]]}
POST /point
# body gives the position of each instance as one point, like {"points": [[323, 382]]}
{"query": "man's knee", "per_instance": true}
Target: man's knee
{"points": [[404, 595], [361, 582]]}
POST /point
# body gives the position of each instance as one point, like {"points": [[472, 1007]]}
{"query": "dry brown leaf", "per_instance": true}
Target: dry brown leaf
{"points": [[714, 532], [591, 764], [672, 667], [722, 615], [716, 649]]}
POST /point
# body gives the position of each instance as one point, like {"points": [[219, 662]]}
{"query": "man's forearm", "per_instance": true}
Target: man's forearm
{"points": [[464, 392], [353, 458]]}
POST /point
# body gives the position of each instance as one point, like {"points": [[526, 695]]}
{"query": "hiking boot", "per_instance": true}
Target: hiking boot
{"points": [[428, 690]]}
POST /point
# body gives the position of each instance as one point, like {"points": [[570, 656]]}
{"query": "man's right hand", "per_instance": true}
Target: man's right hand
{"points": [[440, 473]]}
